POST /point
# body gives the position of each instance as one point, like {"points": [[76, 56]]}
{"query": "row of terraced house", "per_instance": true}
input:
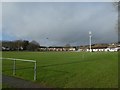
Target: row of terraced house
{"points": [[94, 48]]}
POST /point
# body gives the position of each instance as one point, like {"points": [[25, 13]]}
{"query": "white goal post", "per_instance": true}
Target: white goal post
{"points": [[24, 60]]}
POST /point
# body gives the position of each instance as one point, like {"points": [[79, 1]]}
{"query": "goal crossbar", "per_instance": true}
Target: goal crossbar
{"points": [[20, 59], [25, 60]]}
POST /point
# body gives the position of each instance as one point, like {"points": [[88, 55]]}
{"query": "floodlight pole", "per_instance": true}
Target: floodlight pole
{"points": [[90, 36], [18, 46], [47, 46]]}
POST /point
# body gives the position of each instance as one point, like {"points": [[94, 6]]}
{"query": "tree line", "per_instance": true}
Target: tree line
{"points": [[19, 45]]}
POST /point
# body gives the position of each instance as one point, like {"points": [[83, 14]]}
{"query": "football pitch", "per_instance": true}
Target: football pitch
{"points": [[66, 69]]}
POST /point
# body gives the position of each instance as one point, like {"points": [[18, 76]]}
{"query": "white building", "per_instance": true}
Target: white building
{"points": [[104, 50]]}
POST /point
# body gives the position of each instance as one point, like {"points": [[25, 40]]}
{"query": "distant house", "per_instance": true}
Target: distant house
{"points": [[42, 48], [105, 49], [56, 48], [72, 49], [5, 49]]}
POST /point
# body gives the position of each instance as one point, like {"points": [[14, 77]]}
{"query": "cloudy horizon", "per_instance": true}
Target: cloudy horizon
{"points": [[60, 23]]}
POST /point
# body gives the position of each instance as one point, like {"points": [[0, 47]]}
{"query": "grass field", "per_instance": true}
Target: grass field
{"points": [[67, 69], [6, 86]]}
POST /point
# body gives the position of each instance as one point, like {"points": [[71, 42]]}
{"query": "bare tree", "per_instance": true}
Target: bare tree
{"points": [[33, 46]]}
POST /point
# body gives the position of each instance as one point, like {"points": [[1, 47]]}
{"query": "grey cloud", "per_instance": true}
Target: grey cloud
{"points": [[60, 22]]}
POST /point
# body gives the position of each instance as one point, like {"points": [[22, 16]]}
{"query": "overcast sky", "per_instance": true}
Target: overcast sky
{"points": [[60, 23]]}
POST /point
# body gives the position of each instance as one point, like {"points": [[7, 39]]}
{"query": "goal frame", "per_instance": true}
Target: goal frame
{"points": [[23, 60]]}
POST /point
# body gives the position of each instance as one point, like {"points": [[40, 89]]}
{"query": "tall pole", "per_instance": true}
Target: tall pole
{"points": [[90, 36], [18, 45], [47, 46]]}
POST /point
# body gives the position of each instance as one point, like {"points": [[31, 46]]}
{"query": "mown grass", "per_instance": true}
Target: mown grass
{"points": [[4, 85], [67, 69]]}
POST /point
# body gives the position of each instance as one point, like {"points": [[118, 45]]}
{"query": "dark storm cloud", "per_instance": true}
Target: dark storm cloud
{"points": [[61, 23]]}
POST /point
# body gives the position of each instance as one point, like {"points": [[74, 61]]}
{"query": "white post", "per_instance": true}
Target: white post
{"points": [[90, 40], [14, 67], [35, 72]]}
